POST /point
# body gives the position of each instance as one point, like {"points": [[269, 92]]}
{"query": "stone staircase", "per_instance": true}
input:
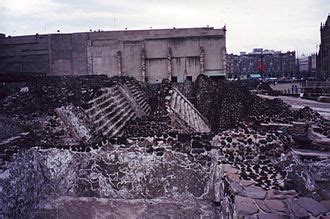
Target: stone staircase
{"points": [[184, 113], [117, 105], [139, 96]]}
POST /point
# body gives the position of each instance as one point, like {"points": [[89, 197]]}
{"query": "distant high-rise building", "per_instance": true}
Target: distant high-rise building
{"points": [[323, 58], [268, 63], [303, 65], [312, 65]]}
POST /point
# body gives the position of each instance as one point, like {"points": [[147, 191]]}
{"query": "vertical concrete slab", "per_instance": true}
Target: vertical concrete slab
{"points": [[156, 70], [104, 56], [79, 53], [131, 59], [61, 49]]}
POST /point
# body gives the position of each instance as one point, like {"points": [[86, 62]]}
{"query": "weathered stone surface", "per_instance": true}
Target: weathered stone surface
{"points": [[230, 169], [233, 177], [326, 204], [296, 209], [311, 206], [255, 192], [251, 217], [245, 206], [277, 206], [271, 216], [236, 188], [262, 205], [90, 207], [275, 194], [246, 183]]}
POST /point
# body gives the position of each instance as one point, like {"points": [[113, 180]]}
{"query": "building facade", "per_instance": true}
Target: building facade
{"points": [[323, 58], [268, 63], [303, 66], [307, 67], [148, 55]]}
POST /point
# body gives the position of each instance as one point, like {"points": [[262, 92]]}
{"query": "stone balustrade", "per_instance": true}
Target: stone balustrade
{"points": [[185, 112]]}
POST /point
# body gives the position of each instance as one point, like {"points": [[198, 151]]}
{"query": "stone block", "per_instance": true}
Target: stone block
{"points": [[296, 209], [246, 183], [255, 192], [326, 204], [273, 206], [233, 177], [245, 206], [230, 169], [312, 206], [236, 188], [271, 216]]}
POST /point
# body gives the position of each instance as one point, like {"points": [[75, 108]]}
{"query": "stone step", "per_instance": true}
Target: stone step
{"points": [[118, 131], [139, 96], [115, 98], [145, 107], [109, 113], [100, 104], [107, 109], [93, 110], [117, 111], [105, 93], [124, 116]]}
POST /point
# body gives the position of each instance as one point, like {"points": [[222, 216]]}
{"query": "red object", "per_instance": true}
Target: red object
{"points": [[261, 67]]}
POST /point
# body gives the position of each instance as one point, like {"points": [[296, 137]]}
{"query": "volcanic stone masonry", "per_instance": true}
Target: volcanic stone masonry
{"points": [[96, 146]]}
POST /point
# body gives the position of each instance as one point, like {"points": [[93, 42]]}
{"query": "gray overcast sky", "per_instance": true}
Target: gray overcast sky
{"points": [[273, 24]]}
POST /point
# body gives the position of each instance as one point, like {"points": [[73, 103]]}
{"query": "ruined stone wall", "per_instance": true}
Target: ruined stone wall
{"points": [[147, 55]]}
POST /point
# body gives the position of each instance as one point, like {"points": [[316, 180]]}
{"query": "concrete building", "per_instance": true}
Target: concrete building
{"points": [[303, 65], [307, 66], [323, 58], [147, 55], [312, 65], [268, 63]]}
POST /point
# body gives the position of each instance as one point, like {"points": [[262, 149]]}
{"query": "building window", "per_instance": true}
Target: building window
{"points": [[174, 79], [189, 78]]}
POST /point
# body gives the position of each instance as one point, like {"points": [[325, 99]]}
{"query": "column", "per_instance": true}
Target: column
{"points": [[119, 63], [143, 65], [169, 64], [202, 60]]}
